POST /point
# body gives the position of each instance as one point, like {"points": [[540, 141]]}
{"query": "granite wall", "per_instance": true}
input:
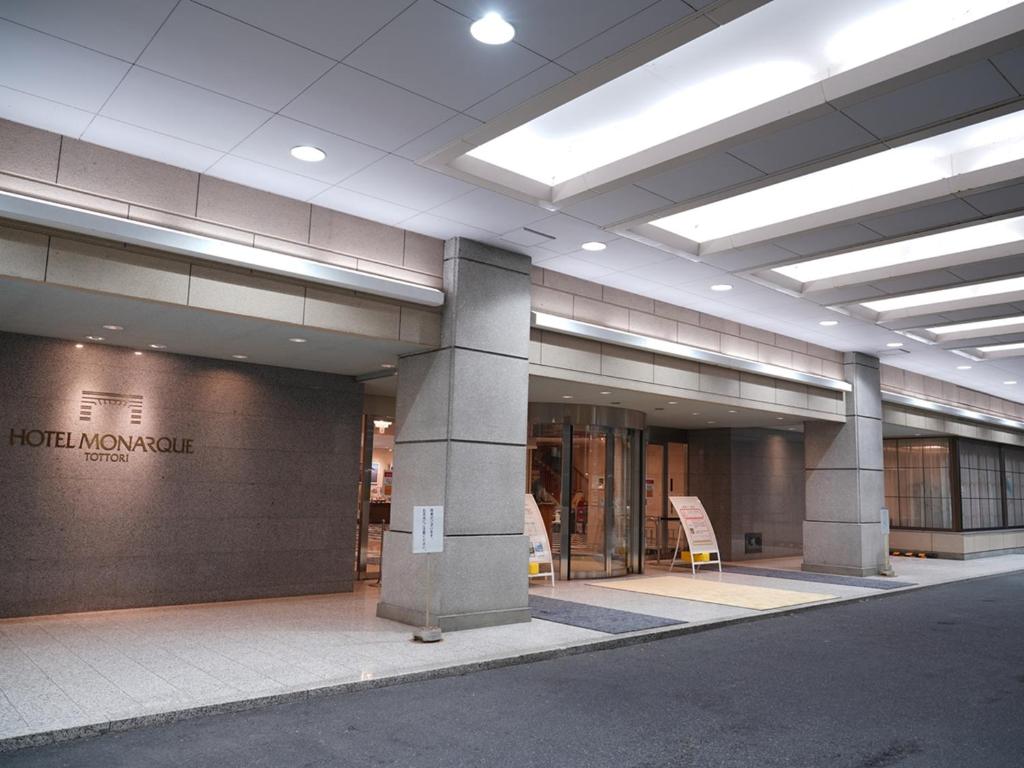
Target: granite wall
{"points": [[750, 481], [251, 494]]}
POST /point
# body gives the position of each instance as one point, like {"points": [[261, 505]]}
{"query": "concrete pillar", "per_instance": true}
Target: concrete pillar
{"points": [[844, 477], [461, 443]]}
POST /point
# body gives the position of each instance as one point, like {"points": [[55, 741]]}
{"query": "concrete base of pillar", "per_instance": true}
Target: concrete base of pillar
{"points": [[840, 570], [848, 549], [453, 622]]}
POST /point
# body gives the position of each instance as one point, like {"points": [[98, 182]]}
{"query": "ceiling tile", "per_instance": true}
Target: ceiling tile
{"points": [[491, 211], [617, 205], [625, 255], [986, 270], [700, 177], [939, 214], [522, 89], [272, 142], [428, 50], [405, 183], [1011, 64], [332, 28], [438, 137], [919, 281], [828, 239], [184, 111], [624, 34], [145, 143], [351, 103], [440, 227], [678, 271], [41, 113], [568, 233], [524, 237], [751, 257], [998, 200], [213, 51], [266, 178], [44, 66], [358, 204], [938, 98], [570, 265], [120, 28], [845, 295], [822, 137], [552, 28]]}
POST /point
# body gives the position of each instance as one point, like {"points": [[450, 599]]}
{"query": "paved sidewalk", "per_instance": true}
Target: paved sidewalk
{"points": [[75, 674]]}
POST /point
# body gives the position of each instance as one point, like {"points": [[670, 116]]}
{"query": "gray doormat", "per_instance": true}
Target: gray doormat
{"points": [[609, 620], [820, 578]]}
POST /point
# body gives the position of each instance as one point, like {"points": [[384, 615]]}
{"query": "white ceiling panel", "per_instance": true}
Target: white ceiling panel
{"points": [[618, 205], [264, 177], [332, 28], [552, 27], [44, 66], [845, 295], [701, 176], [184, 111], [625, 255], [272, 142], [442, 228], [120, 28], [358, 204], [985, 270], [571, 265], [491, 211], [999, 200], [920, 281], [42, 113], [952, 210], [748, 258], [146, 143], [522, 89], [828, 239], [524, 237], [428, 50], [353, 104], [624, 34], [569, 233], [214, 51], [434, 139], [1011, 65], [938, 98], [677, 271], [824, 136], [405, 183]]}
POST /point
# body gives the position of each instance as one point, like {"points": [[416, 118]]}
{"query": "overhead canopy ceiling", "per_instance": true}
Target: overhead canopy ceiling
{"points": [[886, 121]]}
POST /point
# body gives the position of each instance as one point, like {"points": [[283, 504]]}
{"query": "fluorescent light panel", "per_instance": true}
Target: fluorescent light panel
{"points": [[976, 237], [960, 293], [1002, 347], [977, 325], [973, 148], [771, 52]]}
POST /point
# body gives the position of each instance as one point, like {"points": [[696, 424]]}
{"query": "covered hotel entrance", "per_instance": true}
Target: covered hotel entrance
{"points": [[584, 469]]}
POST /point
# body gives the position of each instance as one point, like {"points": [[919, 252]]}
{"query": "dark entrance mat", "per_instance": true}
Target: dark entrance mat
{"points": [[819, 578], [609, 620]]}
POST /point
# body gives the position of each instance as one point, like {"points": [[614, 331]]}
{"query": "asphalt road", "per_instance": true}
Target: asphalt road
{"points": [[932, 678]]}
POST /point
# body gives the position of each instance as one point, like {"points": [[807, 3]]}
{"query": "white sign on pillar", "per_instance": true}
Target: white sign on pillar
{"points": [[427, 529]]}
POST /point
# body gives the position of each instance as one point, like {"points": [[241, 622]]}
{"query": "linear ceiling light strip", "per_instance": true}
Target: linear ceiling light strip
{"points": [[682, 351], [47, 214], [964, 414]]}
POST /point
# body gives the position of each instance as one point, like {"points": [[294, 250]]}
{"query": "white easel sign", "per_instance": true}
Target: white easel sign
{"points": [[700, 536], [427, 529], [540, 547]]}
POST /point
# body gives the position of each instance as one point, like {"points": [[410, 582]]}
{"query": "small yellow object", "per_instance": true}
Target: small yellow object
{"points": [[700, 557], [534, 568]]}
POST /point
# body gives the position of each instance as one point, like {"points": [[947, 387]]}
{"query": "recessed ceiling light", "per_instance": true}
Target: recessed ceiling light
{"points": [[731, 411], [308, 154], [721, 287], [240, 357], [567, 397], [1010, 382], [963, 367], [696, 413], [673, 402], [387, 365], [492, 29], [712, 422], [113, 327], [894, 344], [136, 352], [297, 340], [94, 338], [605, 392], [1002, 347], [79, 346], [828, 323], [158, 346], [593, 245], [947, 295], [780, 418]]}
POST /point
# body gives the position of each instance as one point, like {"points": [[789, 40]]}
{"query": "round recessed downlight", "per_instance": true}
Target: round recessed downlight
{"points": [[158, 346], [721, 287], [114, 327], [963, 367], [387, 365], [567, 397], [605, 392], [308, 154], [492, 29], [79, 346], [894, 344], [94, 338], [297, 340], [136, 352], [1011, 381], [828, 323], [240, 357], [593, 245]]}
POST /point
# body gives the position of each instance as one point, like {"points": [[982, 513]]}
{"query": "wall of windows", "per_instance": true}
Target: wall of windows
{"points": [[953, 484]]}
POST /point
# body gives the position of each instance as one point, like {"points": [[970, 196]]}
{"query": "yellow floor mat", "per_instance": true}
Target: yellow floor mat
{"points": [[723, 593]]}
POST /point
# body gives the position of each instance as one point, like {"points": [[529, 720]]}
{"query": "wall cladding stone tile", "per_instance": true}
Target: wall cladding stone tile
{"points": [[29, 151], [23, 253], [357, 237], [113, 270], [228, 203], [265, 506], [423, 254]]}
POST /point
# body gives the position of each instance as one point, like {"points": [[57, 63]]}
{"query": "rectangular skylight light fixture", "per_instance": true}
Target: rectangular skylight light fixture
{"points": [[779, 59], [957, 246], [975, 148], [1003, 347], [977, 325], [947, 295]]}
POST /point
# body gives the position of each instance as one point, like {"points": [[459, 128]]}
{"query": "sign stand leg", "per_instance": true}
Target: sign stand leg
{"points": [[428, 633]]}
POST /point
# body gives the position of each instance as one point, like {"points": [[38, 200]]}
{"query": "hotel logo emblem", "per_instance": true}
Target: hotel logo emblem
{"points": [[91, 401]]}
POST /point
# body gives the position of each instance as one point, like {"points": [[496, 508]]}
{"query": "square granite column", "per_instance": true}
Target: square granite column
{"points": [[461, 443], [845, 485]]}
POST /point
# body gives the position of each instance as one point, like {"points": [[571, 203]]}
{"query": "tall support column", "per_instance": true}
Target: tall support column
{"points": [[844, 477], [461, 443]]}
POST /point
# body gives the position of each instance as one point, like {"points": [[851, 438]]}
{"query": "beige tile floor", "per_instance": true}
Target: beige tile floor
{"points": [[71, 670]]}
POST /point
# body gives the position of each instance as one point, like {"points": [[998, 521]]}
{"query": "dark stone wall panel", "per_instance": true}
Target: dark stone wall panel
{"points": [[265, 506]]}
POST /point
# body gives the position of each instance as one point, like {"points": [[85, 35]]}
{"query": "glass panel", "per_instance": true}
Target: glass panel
{"points": [[981, 485], [544, 461], [917, 483], [587, 503], [622, 501]]}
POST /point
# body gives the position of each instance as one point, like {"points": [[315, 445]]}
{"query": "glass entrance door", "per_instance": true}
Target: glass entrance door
{"points": [[588, 551]]}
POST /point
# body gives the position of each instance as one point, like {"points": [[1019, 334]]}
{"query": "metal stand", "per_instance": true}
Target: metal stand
{"points": [[694, 563]]}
